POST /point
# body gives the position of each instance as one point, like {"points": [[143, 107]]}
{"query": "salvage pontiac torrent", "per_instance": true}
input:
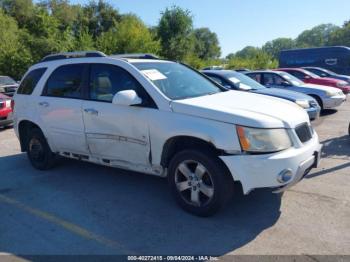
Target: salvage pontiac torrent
{"points": [[162, 118]]}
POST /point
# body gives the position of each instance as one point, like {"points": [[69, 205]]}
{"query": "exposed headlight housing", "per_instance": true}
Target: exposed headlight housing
{"points": [[261, 140], [331, 93], [303, 103]]}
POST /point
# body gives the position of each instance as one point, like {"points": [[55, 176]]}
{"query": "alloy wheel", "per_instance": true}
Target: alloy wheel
{"points": [[194, 183]]}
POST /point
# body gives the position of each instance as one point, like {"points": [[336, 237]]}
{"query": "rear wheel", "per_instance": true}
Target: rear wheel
{"points": [[38, 150], [200, 182]]}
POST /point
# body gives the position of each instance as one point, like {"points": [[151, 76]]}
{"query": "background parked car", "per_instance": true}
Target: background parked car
{"points": [[8, 86], [213, 68], [5, 110], [237, 81], [241, 70], [335, 58], [326, 96], [327, 73], [312, 78]]}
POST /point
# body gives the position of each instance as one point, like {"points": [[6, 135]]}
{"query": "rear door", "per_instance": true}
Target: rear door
{"points": [[60, 108]]}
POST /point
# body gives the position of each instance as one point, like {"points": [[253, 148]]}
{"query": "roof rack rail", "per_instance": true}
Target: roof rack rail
{"points": [[135, 56], [68, 55]]}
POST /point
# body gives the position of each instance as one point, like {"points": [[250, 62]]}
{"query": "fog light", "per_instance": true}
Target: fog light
{"points": [[285, 176]]}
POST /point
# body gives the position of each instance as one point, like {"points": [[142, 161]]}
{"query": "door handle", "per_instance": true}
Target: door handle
{"points": [[44, 104], [91, 111]]}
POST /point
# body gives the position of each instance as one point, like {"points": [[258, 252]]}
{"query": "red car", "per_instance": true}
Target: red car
{"points": [[312, 78], [6, 104]]}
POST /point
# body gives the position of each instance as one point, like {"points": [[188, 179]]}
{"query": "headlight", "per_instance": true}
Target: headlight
{"points": [[303, 103], [331, 93], [258, 140], [2, 89], [341, 84]]}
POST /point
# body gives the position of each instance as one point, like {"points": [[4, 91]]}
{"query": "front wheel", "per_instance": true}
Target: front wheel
{"points": [[38, 150], [200, 182]]}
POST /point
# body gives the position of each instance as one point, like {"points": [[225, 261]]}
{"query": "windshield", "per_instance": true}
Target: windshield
{"points": [[313, 75], [5, 80], [242, 81], [177, 81], [292, 79], [328, 72]]}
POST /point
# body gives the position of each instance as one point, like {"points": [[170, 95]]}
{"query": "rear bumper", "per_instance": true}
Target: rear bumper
{"points": [[4, 121], [261, 171]]}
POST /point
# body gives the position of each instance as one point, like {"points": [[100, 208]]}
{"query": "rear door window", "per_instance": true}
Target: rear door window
{"points": [[30, 81], [256, 76], [66, 81]]}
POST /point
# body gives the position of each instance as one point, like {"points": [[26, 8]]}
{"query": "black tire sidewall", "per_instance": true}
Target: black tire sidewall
{"points": [[222, 180], [46, 163]]}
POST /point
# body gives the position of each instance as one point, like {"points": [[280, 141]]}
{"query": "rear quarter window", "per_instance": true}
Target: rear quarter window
{"points": [[30, 81]]}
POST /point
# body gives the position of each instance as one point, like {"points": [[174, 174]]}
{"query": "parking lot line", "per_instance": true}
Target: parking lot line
{"points": [[66, 225]]}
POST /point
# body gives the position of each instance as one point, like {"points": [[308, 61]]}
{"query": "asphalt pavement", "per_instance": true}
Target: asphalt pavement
{"points": [[81, 208]]}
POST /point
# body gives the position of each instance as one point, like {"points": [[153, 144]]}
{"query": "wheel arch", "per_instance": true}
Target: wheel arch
{"points": [[24, 126], [318, 99], [182, 142]]}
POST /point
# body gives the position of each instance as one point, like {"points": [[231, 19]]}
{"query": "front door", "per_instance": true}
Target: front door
{"points": [[115, 133]]}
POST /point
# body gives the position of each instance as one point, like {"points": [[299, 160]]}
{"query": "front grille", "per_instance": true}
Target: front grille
{"points": [[304, 132]]}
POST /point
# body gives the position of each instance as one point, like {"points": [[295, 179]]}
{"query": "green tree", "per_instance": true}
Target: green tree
{"points": [[84, 41], [174, 31], [21, 10], [43, 35], [14, 57], [252, 58], [274, 47], [206, 44], [98, 17], [341, 36], [317, 36], [248, 52], [130, 36], [63, 11]]}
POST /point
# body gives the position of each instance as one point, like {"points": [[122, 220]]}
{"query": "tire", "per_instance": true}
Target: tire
{"points": [[38, 150], [204, 192], [319, 101]]}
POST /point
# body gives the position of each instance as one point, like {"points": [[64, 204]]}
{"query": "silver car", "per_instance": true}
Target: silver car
{"points": [[327, 97]]}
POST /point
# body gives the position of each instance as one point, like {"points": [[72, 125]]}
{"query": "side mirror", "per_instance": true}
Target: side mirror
{"points": [[126, 98], [307, 77]]}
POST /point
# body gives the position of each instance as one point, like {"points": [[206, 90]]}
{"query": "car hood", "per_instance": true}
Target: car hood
{"points": [[285, 94], [243, 108]]}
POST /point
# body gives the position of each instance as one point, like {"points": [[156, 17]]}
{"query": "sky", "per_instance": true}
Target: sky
{"points": [[239, 23]]}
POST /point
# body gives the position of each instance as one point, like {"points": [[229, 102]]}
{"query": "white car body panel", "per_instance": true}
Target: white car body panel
{"points": [[247, 109], [134, 137]]}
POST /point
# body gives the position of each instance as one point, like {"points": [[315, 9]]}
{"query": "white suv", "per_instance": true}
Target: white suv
{"points": [[165, 119]]}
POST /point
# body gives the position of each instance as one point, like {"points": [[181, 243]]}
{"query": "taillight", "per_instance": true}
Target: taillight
{"points": [[13, 104]]}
